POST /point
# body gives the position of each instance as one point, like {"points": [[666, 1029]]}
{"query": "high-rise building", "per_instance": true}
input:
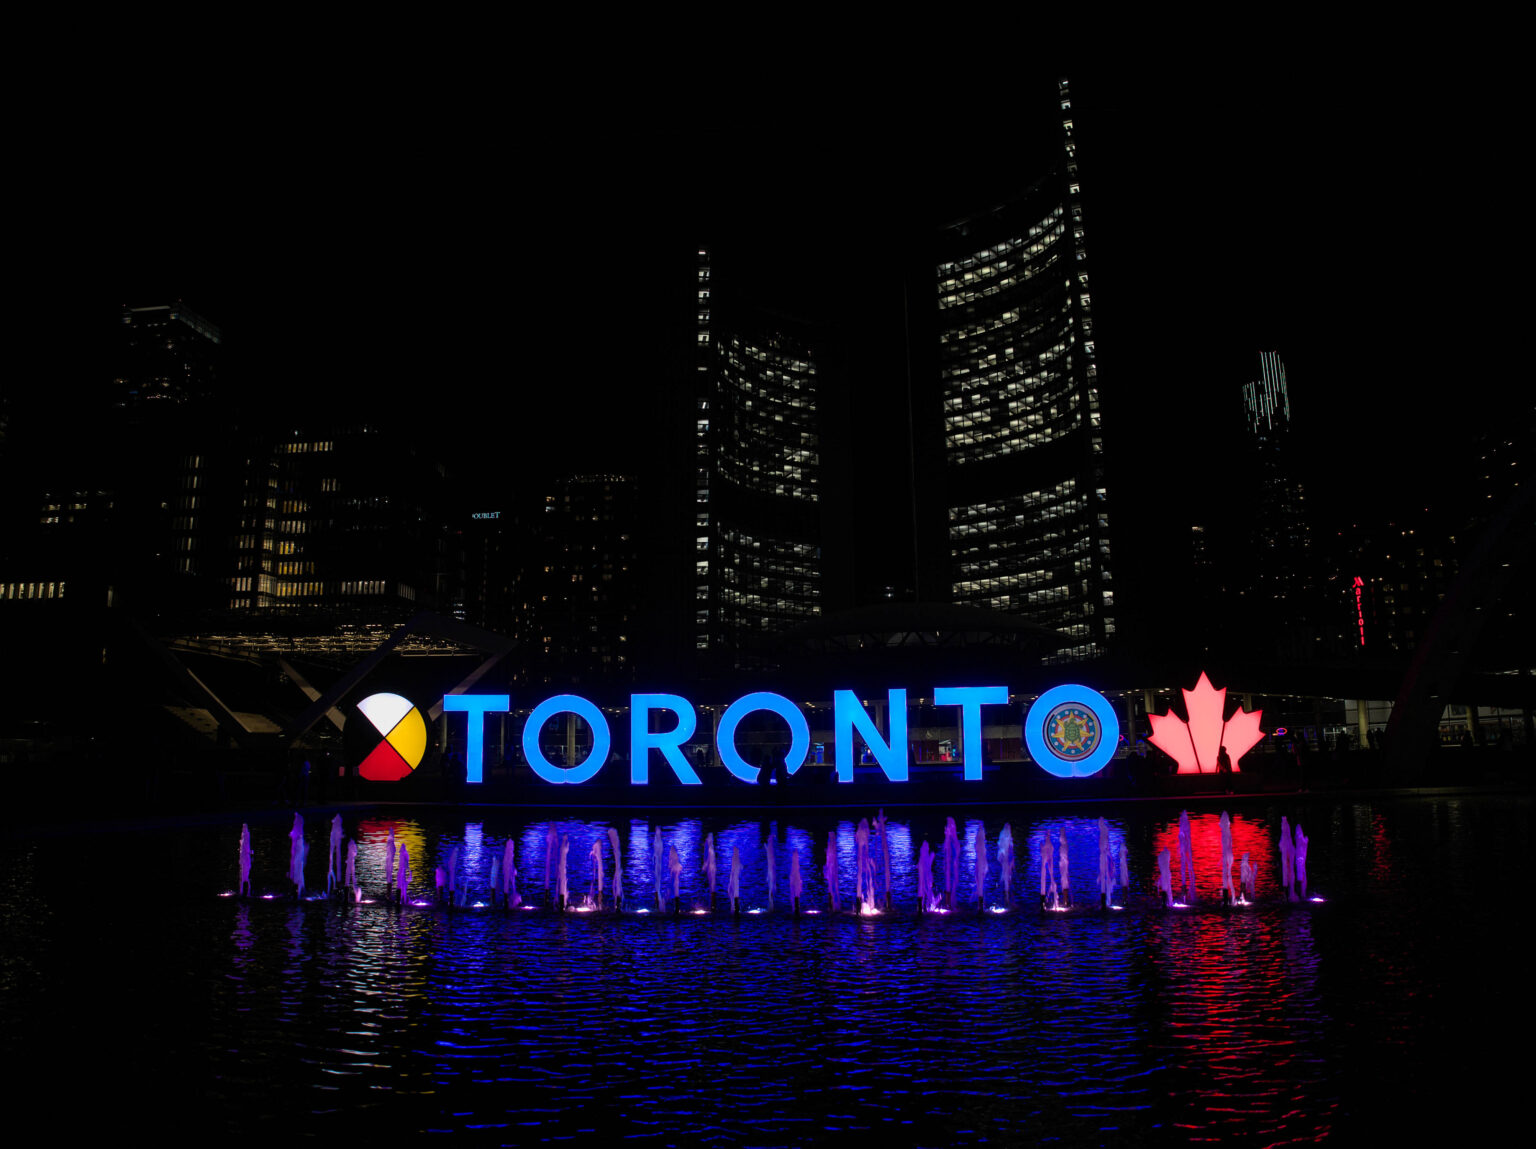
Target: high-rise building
{"points": [[755, 534], [168, 355], [765, 562], [584, 598], [347, 520], [1028, 512], [702, 385], [1281, 560], [145, 503]]}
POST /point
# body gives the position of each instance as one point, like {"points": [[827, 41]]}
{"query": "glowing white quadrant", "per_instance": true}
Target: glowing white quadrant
{"points": [[384, 711], [401, 725]]}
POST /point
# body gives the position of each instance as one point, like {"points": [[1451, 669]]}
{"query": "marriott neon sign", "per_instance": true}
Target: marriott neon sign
{"points": [[1070, 731]]}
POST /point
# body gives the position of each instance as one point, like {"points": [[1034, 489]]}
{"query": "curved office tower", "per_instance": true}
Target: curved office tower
{"points": [[763, 565], [1028, 515]]}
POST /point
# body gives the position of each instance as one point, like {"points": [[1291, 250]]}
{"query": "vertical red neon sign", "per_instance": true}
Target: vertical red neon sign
{"points": [[1359, 610]]}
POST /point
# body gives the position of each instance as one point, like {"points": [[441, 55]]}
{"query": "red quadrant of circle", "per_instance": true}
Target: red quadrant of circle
{"points": [[384, 764]]}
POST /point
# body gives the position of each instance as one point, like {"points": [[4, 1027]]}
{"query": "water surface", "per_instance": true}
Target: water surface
{"points": [[128, 978]]}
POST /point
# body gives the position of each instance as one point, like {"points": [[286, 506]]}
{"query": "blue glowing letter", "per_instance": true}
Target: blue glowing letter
{"points": [[477, 706], [848, 715], [725, 737], [565, 704], [970, 700], [641, 740], [1072, 731]]}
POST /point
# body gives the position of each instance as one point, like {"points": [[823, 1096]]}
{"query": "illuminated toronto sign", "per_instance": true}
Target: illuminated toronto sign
{"points": [[1196, 745], [402, 738], [1070, 731]]}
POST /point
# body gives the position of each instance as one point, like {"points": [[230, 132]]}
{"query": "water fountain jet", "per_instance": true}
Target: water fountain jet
{"points": [[562, 885], [510, 898], [829, 869], [245, 859], [595, 856], [709, 868], [1005, 862], [1048, 898], [1066, 869], [1299, 860], [297, 853], [1186, 859], [618, 870], [980, 846], [389, 857], [333, 856], [1228, 894], [885, 853], [1287, 860], [733, 883], [796, 886], [951, 862], [861, 896], [658, 855], [772, 876], [675, 868]]}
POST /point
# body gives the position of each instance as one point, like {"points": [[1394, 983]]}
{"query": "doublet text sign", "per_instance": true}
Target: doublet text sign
{"points": [[1070, 731]]}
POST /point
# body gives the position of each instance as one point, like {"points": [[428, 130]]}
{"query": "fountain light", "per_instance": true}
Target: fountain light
{"points": [[267, 897], [583, 909], [478, 905], [366, 901], [997, 909], [755, 911], [642, 910], [700, 911], [1315, 898], [421, 903], [227, 894], [529, 907], [813, 911]]}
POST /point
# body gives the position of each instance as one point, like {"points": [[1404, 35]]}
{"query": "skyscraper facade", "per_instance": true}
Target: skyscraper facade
{"points": [[584, 599], [1028, 518], [757, 454], [702, 387], [167, 354], [1281, 539], [768, 533]]}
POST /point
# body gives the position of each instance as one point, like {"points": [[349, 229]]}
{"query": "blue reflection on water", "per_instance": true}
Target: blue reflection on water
{"points": [[771, 1028]]}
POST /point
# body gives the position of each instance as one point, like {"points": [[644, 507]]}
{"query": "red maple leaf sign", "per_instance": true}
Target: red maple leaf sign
{"points": [[1194, 744]]}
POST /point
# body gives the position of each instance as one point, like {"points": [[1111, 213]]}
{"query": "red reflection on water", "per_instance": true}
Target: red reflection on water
{"points": [[1249, 835]]}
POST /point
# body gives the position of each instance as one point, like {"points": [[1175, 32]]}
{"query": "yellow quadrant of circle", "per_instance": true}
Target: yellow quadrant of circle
{"points": [[409, 738]]}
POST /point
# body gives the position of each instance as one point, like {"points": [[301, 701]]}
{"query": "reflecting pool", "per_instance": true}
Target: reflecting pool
{"points": [[1391, 1005]]}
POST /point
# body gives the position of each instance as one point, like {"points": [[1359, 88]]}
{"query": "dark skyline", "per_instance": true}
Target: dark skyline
{"points": [[1230, 211]]}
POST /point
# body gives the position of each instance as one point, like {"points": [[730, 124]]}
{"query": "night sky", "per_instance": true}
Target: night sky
{"points": [[498, 270]]}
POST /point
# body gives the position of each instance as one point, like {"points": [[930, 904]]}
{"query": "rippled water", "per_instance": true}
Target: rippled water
{"points": [[128, 980]]}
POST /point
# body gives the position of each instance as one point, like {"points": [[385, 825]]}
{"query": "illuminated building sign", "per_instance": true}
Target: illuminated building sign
{"points": [[1071, 731], [485, 514], [1196, 745], [1360, 609]]}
